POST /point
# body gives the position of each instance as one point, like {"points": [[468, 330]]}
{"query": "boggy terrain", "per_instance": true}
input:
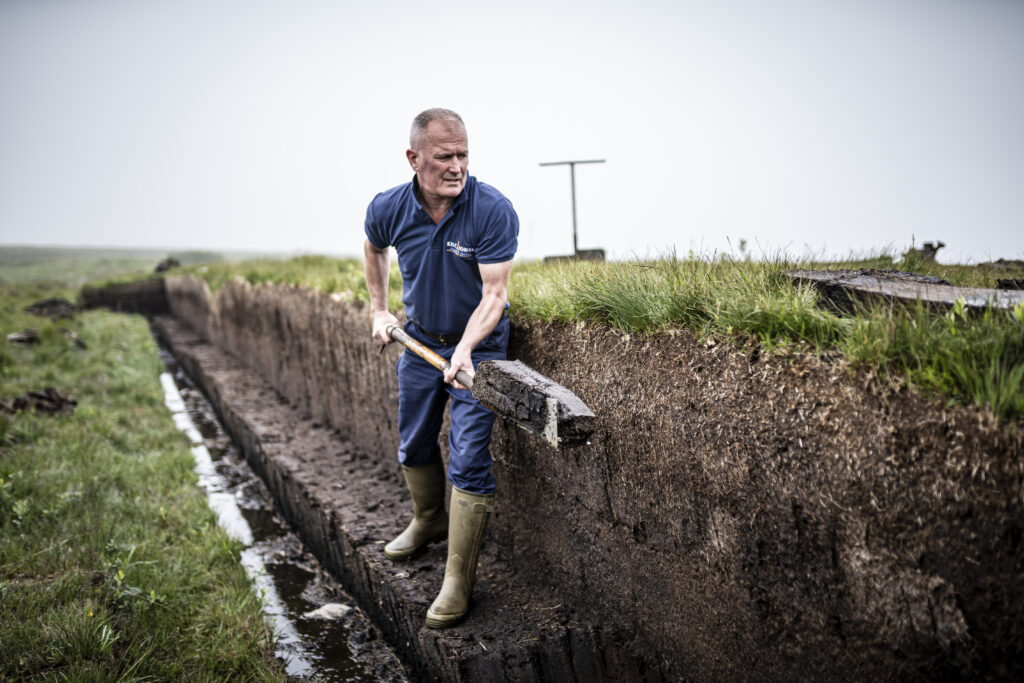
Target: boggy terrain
{"points": [[736, 515]]}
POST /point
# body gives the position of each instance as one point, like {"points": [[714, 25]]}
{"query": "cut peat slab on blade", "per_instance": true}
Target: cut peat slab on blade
{"points": [[536, 403], [516, 392]]}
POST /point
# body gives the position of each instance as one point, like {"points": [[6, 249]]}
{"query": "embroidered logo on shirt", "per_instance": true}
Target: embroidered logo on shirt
{"points": [[459, 250]]}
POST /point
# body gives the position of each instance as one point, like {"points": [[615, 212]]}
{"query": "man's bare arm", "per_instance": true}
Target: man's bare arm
{"points": [[377, 268], [486, 316]]}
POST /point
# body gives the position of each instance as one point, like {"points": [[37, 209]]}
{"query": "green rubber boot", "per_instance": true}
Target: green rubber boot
{"points": [[429, 521], [468, 518]]}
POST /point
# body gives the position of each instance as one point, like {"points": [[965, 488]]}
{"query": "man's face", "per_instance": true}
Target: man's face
{"points": [[441, 161]]}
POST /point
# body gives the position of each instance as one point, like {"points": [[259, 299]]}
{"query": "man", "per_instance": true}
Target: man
{"points": [[455, 239]]}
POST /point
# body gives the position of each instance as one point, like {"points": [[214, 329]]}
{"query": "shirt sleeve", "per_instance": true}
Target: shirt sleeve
{"points": [[500, 237], [375, 232]]}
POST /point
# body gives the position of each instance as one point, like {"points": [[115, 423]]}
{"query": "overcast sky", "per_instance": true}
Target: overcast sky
{"points": [[805, 126]]}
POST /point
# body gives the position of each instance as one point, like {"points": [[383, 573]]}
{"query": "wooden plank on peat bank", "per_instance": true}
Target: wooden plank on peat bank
{"points": [[841, 288]]}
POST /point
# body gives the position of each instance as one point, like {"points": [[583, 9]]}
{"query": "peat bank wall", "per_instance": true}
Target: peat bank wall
{"points": [[737, 515]]}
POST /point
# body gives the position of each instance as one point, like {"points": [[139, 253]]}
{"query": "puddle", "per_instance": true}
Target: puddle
{"points": [[319, 632]]}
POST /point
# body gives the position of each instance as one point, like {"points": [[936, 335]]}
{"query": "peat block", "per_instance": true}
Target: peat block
{"points": [[148, 297], [536, 403]]}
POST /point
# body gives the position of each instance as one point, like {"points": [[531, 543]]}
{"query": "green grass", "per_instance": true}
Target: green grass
{"points": [[734, 299], [112, 565], [343, 277], [975, 360], [971, 359]]}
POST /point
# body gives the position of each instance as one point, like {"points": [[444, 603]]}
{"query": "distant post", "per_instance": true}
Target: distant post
{"points": [[572, 180]]}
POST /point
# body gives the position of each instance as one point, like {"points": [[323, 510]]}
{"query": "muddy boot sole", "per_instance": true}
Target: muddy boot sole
{"points": [[409, 553], [442, 621]]}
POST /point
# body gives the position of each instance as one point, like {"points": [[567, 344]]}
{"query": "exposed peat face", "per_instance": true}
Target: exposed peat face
{"points": [[736, 514]]}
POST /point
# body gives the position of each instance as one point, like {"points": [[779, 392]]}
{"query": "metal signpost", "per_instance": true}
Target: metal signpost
{"points": [[572, 179]]}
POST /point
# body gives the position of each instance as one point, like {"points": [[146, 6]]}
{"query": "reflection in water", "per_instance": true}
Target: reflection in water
{"points": [[319, 634]]}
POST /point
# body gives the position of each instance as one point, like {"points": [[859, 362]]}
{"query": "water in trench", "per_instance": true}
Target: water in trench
{"points": [[319, 632]]}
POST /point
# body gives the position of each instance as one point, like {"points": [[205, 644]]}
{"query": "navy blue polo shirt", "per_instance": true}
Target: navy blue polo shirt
{"points": [[441, 285]]}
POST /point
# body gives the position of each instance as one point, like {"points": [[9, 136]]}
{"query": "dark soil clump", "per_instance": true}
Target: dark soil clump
{"points": [[54, 308], [49, 400], [167, 264]]}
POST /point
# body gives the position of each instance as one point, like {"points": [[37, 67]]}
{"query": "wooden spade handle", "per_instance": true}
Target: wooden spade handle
{"points": [[400, 336]]}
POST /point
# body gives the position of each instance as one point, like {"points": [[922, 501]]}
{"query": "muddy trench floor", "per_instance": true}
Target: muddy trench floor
{"points": [[366, 503]]}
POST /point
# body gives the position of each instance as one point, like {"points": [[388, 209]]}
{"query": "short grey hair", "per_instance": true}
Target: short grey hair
{"points": [[423, 119]]}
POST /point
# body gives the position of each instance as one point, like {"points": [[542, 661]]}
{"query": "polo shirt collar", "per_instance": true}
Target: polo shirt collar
{"points": [[461, 199]]}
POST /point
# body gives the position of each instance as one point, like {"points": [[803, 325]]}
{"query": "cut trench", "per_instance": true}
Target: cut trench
{"points": [[668, 547], [344, 503], [319, 633]]}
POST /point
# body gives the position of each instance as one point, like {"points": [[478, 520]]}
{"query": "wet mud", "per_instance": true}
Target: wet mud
{"points": [[320, 633], [734, 516]]}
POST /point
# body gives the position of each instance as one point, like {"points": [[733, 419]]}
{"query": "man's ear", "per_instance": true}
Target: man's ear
{"points": [[410, 154]]}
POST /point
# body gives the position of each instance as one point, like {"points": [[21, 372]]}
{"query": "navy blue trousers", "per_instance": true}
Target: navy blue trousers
{"points": [[422, 395]]}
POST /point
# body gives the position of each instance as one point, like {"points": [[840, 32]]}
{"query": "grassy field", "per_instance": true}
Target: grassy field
{"points": [[970, 359], [112, 567], [74, 266]]}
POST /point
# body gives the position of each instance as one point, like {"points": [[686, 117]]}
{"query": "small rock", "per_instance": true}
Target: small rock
{"points": [[28, 336], [332, 610]]}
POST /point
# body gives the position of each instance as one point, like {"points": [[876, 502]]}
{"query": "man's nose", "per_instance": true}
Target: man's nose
{"points": [[456, 166]]}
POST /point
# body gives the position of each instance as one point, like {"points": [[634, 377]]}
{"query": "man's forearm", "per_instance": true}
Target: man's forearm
{"points": [[484, 318], [376, 269], [492, 304], [483, 321]]}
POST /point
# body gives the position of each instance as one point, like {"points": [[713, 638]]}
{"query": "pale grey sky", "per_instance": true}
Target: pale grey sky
{"points": [[835, 127]]}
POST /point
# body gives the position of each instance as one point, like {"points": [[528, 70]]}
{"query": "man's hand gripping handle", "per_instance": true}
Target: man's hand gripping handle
{"points": [[399, 335]]}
